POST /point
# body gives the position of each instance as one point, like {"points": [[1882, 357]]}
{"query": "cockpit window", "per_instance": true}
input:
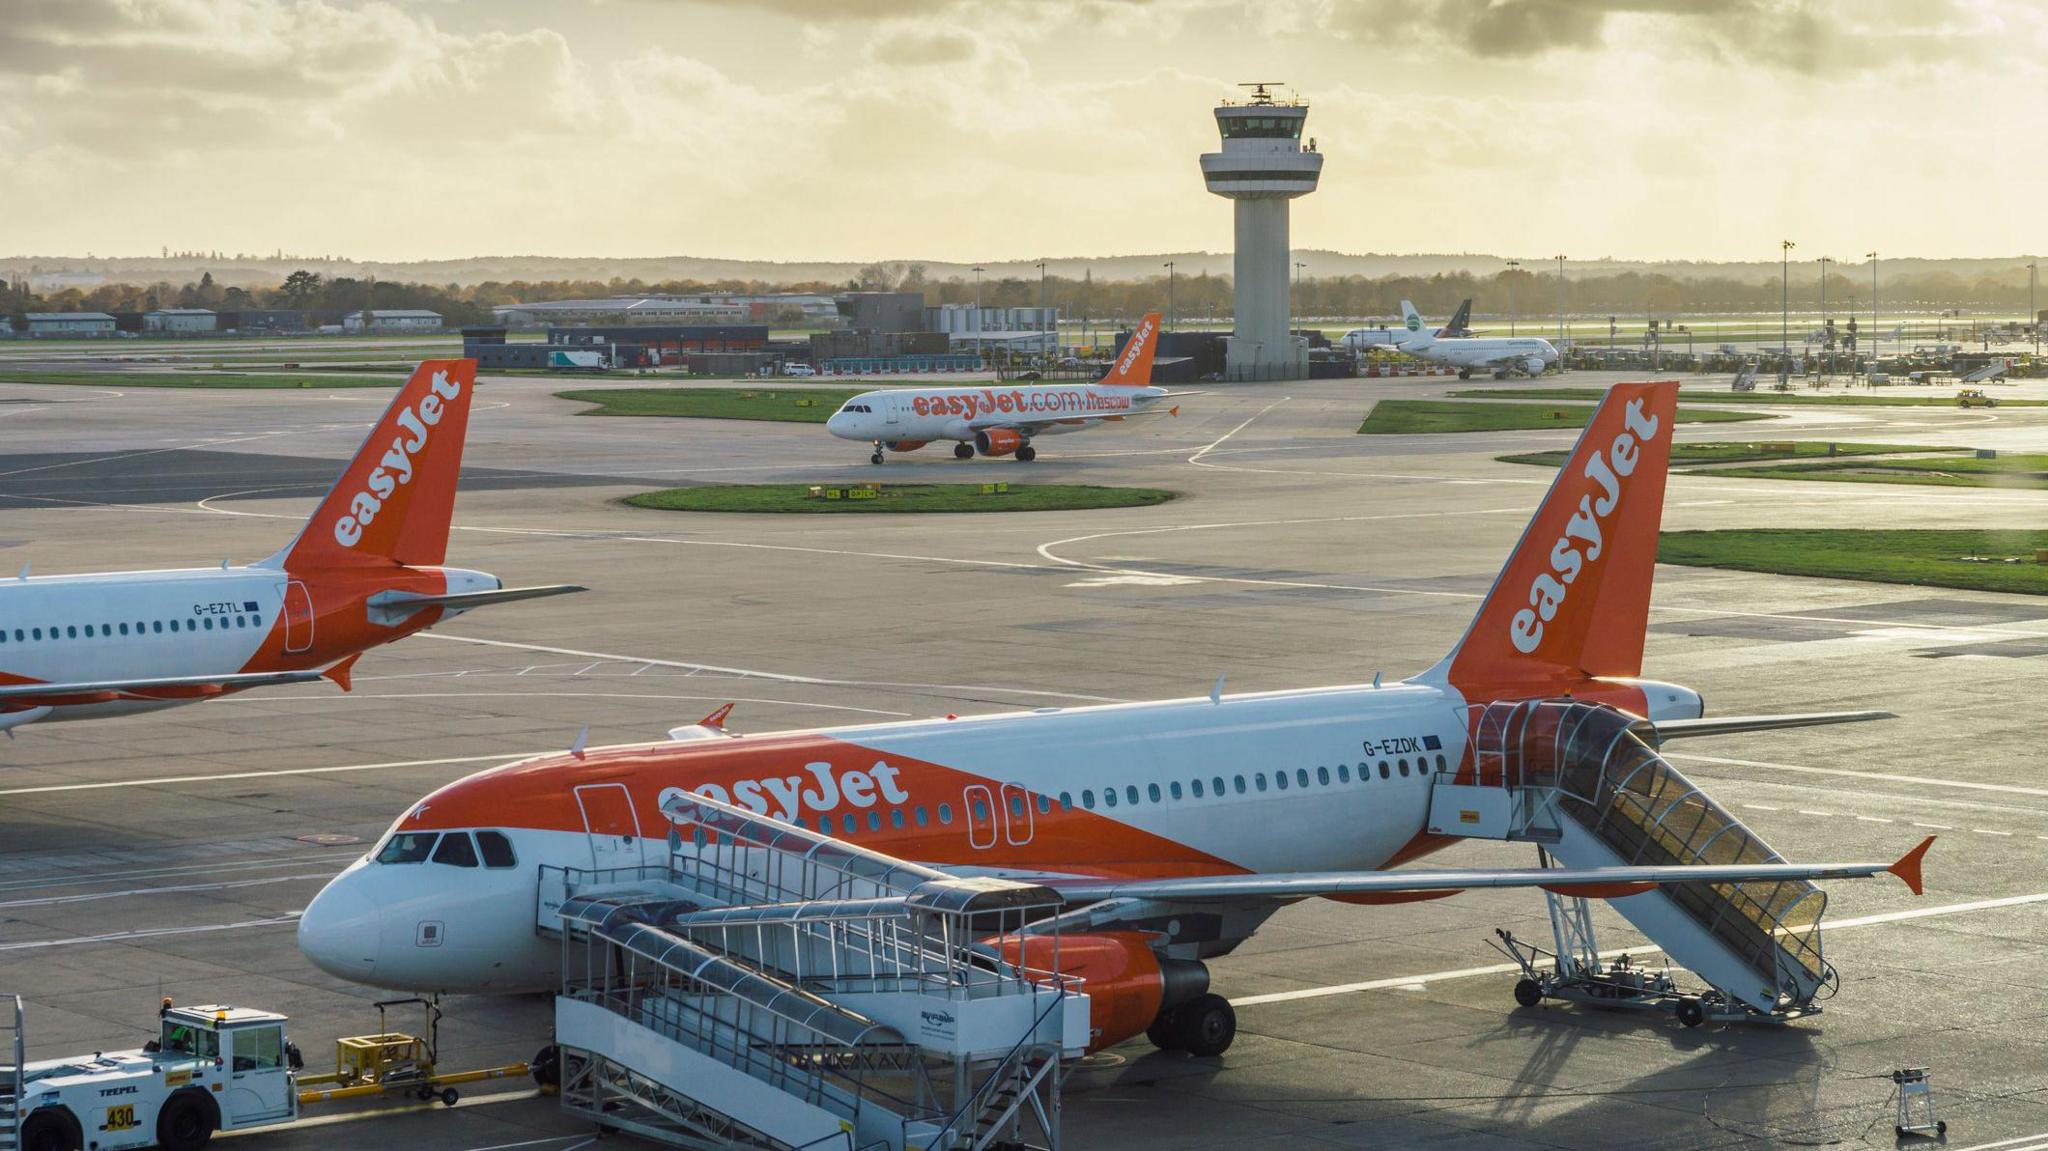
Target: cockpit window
{"points": [[496, 848], [852, 407], [408, 847], [455, 850]]}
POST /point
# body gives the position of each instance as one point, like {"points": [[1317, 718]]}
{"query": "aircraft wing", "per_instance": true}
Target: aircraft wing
{"points": [[1035, 422], [168, 687], [1591, 882], [1733, 724]]}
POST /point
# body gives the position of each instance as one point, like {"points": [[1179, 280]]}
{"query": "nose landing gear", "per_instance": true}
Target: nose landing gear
{"points": [[877, 457]]}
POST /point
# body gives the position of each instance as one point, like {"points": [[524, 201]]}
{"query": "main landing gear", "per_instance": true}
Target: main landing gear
{"points": [[1464, 373], [963, 451], [1026, 453], [1203, 1027]]}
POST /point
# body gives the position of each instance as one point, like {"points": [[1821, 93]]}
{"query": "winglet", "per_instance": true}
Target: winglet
{"points": [[582, 738], [1174, 410], [716, 720], [1908, 866], [340, 672]]}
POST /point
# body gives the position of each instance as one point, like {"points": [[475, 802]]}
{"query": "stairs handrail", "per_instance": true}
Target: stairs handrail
{"points": [[974, 1105]]}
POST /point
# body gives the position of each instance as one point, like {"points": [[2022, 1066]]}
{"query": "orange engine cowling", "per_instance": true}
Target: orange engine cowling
{"points": [[997, 441], [907, 445], [1118, 971]]}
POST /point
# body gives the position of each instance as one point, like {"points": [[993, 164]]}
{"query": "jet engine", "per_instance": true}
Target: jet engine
{"points": [[1533, 365], [997, 441], [1127, 984]]}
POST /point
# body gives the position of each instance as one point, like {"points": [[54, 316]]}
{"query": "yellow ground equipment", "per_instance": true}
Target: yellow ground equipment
{"points": [[1975, 398], [395, 1063]]}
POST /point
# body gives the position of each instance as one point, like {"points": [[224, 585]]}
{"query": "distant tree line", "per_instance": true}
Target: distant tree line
{"points": [[1195, 298]]}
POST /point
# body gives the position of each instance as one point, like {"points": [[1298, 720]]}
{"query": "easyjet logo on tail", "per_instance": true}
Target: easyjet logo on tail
{"points": [[396, 468], [1582, 542], [1133, 346]]}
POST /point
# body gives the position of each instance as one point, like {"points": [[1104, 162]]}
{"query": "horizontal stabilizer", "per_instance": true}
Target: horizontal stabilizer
{"points": [[1734, 724], [390, 608]]}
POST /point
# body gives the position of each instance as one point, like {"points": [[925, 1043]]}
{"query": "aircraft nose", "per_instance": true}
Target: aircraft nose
{"points": [[340, 930], [836, 423]]}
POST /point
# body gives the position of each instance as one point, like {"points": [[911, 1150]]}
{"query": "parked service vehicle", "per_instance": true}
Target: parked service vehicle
{"points": [[211, 1068], [1975, 398], [789, 369]]}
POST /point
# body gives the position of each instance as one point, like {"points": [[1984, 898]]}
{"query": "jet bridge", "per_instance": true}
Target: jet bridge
{"points": [[1585, 783], [766, 987]]}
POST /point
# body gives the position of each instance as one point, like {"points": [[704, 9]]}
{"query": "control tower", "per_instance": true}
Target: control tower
{"points": [[1262, 166]]}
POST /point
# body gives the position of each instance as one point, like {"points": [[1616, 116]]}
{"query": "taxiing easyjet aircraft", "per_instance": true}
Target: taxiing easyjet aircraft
{"points": [[365, 570], [1171, 829], [1003, 420]]}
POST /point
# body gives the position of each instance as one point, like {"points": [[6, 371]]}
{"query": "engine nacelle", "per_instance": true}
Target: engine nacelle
{"points": [[906, 445], [1120, 974], [998, 442], [1533, 365]]}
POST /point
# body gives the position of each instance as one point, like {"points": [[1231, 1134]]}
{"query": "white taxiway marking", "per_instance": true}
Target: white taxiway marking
{"points": [[1417, 981], [2017, 1143], [72, 879], [466, 1101], [1928, 781], [229, 885], [149, 933], [229, 775]]}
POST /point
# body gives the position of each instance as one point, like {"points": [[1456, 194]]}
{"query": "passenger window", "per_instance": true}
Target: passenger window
{"points": [[1323, 776], [1109, 797], [241, 621], [1240, 784], [946, 813], [1301, 776], [157, 627], [924, 817], [1088, 798], [1385, 771], [1403, 764], [1280, 780], [824, 824], [71, 631], [980, 810], [1196, 786], [1017, 806], [1343, 773], [39, 633], [496, 849], [88, 631], [896, 817], [124, 629], [1173, 789], [207, 623], [1044, 804], [1131, 794], [455, 850], [850, 824], [1259, 781], [1152, 792], [1440, 766], [874, 821], [1217, 786], [408, 847]]}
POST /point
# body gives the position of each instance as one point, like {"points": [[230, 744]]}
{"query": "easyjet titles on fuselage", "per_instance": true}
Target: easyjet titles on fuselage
{"points": [[823, 791], [1036, 400]]}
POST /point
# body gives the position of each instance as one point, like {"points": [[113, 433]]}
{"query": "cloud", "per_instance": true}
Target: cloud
{"points": [[918, 47]]}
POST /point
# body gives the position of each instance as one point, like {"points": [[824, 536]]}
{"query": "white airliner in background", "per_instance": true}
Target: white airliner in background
{"points": [[365, 570], [1497, 355], [1172, 830], [1003, 419]]}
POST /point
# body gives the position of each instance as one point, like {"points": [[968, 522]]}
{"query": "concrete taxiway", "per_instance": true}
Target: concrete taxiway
{"points": [[168, 854]]}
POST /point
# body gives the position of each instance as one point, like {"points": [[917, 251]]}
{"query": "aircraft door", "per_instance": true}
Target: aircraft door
{"points": [[1018, 817], [981, 816], [261, 1086], [298, 617], [893, 409], [611, 823]]}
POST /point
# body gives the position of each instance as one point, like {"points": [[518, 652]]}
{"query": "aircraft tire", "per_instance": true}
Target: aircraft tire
{"points": [[876, 458], [1026, 453], [1464, 373], [963, 451], [1207, 1026], [1165, 1031]]}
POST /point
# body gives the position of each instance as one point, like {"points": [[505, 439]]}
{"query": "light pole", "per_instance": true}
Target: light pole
{"points": [[1560, 308], [1169, 294], [1298, 266], [1041, 310], [978, 346], [1873, 308], [1785, 301], [1512, 265], [2033, 313], [1827, 346]]}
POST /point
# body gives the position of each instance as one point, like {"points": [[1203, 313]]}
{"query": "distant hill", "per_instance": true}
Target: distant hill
{"points": [[251, 271]]}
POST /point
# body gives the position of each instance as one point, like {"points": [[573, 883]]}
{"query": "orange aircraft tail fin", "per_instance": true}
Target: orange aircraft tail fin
{"points": [[394, 500], [1133, 367], [1573, 600]]}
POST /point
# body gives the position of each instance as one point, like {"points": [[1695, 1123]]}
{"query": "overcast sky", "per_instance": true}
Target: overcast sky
{"points": [[950, 129]]}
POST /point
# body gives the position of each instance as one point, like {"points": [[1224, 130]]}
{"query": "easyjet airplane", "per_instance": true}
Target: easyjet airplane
{"points": [[365, 570], [1174, 828], [1002, 421]]}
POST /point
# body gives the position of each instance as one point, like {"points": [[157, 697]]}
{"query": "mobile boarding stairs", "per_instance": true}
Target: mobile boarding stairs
{"points": [[762, 986], [1585, 784]]}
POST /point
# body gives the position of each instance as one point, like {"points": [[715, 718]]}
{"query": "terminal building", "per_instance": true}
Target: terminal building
{"points": [[392, 320], [179, 321]]}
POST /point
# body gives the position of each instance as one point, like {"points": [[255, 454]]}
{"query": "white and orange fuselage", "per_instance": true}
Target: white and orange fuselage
{"points": [[1329, 779]]}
